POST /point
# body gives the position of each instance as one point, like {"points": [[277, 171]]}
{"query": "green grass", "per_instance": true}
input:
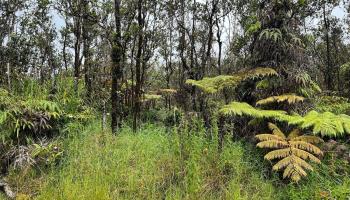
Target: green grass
{"points": [[153, 165], [156, 164]]}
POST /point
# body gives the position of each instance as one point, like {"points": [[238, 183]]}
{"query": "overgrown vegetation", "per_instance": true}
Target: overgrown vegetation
{"points": [[185, 99]]}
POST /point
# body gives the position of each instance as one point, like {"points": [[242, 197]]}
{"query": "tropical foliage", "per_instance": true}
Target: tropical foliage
{"points": [[292, 151], [216, 84], [289, 98], [324, 124]]}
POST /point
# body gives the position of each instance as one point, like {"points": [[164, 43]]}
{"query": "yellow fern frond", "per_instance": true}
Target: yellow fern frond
{"points": [[266, 137], [272, 144], [280, 153], [305, 155], [288, 171], [289, 98], [294, 172], [149, 97], [306, 146], [293, 151], [258, 72], [282, 163], [308, 138], [295, 133], [302, 163], [167, 91], [276, 131], [299, 170]]}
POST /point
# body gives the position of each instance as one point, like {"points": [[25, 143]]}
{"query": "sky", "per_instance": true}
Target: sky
{"points": [[338, 12]]}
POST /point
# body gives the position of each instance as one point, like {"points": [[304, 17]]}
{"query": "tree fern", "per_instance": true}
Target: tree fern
{"points": [[292, 151], [289, 98], [167, 91], [31, 116], [244, 109], [324, 124], [274, 34], [215, 84]]}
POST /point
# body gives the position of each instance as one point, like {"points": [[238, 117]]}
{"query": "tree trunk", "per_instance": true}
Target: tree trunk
{"points": [[86, 49], [117, 71], [137, 101], [329, 70], [77, 33]]}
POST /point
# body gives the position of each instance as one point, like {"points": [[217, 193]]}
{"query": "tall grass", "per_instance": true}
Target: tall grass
{"points": [[153, 165]]}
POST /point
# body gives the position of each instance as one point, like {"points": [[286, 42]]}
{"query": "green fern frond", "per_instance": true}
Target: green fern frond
{"points": [[215, 84], [242, 108], [271, 34], [289, 98], [325, 124], [167, 91], [150, 97]]}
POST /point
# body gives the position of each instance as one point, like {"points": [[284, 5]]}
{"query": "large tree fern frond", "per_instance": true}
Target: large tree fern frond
{"points": [[213, 85], [278, 154], [325, 124], [292, 151], [295, 133], [266, 137], [282, 163], [305, 155], [306, 146], [273, 144], [276, 131], [308, 138], [242, 108], [289, 98]]}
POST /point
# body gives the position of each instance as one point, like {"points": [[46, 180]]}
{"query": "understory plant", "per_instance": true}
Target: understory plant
{"points": [[292, 150]]}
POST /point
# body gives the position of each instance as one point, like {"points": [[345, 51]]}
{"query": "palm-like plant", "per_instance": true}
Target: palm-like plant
{"points": [[292, 150]]}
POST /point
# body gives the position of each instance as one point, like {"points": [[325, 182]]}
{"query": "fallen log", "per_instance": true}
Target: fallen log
{"points": [[7, 189]]}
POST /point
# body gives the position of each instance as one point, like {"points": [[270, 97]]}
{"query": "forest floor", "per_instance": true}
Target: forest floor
{"points": [[156, 164]]}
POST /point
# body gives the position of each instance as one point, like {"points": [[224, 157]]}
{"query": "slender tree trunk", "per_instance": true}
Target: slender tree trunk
{"points": [[87, 49], [117, 71], [64, 48], [8, 76], [182, 41], [329, 70], [137, 101], [52, 64], [77, 33], [193, 69]]}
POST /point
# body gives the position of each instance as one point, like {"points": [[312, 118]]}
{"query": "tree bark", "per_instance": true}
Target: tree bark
{"points": [[87, 49], [137, 96], [77, 46], [117, 71], [329, 70]]}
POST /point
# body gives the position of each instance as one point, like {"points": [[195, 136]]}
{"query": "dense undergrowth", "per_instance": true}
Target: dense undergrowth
{"points": [[158, 164], [170, 157]]}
